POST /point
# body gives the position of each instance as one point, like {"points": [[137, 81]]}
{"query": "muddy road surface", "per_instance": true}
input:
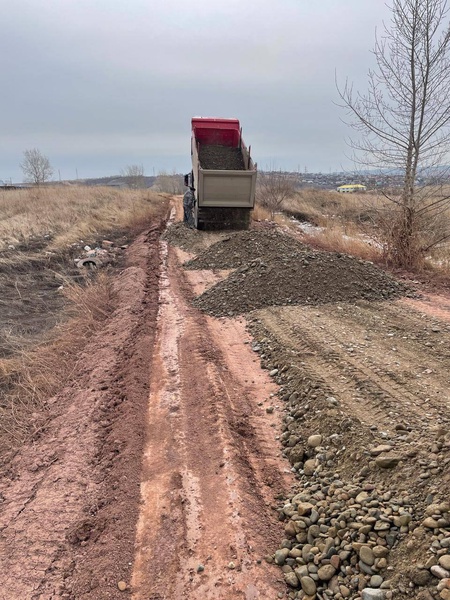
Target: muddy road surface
{"points": [[193, 455], [212, 464]]}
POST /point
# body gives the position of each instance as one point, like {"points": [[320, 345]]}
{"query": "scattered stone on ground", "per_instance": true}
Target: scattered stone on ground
{"points": [[240, 248], [32, 275], [354, 528], [298, 278]]}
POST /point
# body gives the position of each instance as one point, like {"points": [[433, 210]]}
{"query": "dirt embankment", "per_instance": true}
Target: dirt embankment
{"points": [[70, 498]]}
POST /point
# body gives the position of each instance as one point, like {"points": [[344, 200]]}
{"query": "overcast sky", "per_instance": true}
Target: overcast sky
{"points": [[96, 85]]}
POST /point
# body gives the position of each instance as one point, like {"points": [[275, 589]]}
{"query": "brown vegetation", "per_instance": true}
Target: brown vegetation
{"points": [[403, 123], [273, 189], [68, 214], [361, 225], [48, 315]]}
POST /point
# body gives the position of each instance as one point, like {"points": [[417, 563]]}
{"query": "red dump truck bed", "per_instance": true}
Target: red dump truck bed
{"points": [[223, 132]]}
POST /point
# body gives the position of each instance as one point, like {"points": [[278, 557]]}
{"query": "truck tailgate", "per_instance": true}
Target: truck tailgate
{"points": [[226, 188]]}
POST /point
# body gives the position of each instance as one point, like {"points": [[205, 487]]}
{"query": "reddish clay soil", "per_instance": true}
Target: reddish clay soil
{"points": [[201, 501], [70, 498], [212, 465], [435, 305], [160, 467]]}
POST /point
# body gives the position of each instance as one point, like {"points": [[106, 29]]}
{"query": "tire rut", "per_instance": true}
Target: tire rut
{"points": [[206, 519], [374, 393]]}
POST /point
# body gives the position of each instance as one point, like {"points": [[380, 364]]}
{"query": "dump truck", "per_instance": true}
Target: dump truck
{"points": [[223, 175]]}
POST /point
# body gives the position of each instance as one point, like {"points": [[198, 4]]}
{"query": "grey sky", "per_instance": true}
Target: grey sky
{"points": [[99, 84]]}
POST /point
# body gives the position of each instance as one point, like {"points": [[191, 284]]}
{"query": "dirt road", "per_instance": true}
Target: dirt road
{"points": [[212, 464], [163, 463]]}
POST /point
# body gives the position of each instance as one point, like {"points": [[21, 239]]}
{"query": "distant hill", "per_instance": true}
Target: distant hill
{"points": [[113, 181]]}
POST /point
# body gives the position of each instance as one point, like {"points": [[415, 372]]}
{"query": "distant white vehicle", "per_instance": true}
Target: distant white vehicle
{"points": [[348, 189]]}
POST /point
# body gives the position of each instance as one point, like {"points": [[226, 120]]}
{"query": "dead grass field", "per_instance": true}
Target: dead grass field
{"points": [[69, 214], [48, 307], [357, 224]]}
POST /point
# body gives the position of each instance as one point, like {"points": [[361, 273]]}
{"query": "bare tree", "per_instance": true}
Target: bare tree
{"points": [[134, 175], [404, 120], [273, 188], [36, 167], [170, 183]]}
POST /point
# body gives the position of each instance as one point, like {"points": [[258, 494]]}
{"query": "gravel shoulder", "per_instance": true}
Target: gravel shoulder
{"points": [[364, 401]]}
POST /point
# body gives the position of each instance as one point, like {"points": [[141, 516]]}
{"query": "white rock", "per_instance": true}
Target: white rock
{"points": [[439, 572], [372, 594]]}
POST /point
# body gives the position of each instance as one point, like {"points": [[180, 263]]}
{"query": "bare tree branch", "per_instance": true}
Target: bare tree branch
{"points": [[273, 188], [36, 167], [404, 118], [134, 175]]}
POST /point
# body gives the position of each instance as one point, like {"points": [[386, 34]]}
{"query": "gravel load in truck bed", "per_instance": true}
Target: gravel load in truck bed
{"points": [[302, 278], [240, 248], [222, 158]]}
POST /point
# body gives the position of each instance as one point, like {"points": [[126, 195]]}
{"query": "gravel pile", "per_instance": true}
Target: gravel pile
{"points": [[223, 158], [241, 248], [339, 537], [342, 539], [303, 278], [179, 234]]}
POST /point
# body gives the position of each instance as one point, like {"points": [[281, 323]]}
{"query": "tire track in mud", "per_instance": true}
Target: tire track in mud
{"points": [[206, 518], [328, 346]]}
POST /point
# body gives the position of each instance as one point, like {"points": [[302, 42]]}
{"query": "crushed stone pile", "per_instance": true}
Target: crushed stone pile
{"points": [[179, 234], [302, 278], [222, 158], [243, 247]]}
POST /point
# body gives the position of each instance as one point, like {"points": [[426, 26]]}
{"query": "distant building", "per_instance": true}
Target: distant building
{"points": [[347, 189]]}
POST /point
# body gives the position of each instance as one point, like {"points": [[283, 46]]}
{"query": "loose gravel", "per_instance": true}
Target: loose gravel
{"points": [[188, 239], [223, 158], [360, 524], [298, 278], [245, 246]]}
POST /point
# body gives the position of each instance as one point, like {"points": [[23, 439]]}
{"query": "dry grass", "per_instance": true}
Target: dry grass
{"points": [[259, 213], [361, 225], [347, 240], [42, 224], [33, 375], [344, 222], [324, 207], [70, 214]]}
